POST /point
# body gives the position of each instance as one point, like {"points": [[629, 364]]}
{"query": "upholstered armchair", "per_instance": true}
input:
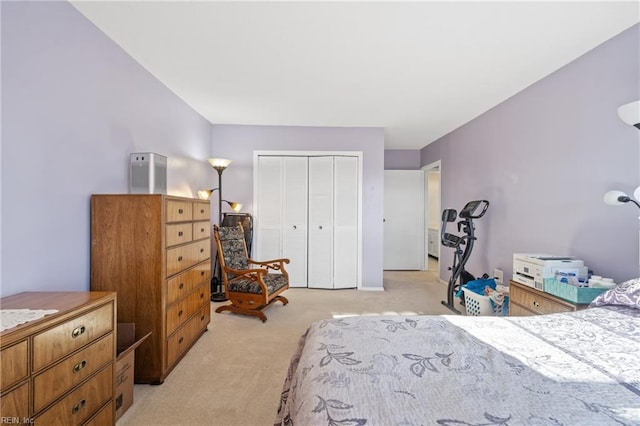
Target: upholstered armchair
{"points": [[250, 285]]}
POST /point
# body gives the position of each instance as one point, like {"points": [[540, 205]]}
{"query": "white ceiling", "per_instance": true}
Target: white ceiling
{"points": [[418, 69]]}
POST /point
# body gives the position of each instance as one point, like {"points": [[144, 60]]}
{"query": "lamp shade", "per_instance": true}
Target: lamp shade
{"points": [[205, 194], [613, 198], [630, 113], [219, 163]]}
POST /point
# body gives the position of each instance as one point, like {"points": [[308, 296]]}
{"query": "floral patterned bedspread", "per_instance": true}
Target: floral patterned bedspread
{"points": [[579, 368]]}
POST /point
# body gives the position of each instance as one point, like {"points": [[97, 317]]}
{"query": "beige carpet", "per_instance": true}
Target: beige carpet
{"points": [[234, 374]]}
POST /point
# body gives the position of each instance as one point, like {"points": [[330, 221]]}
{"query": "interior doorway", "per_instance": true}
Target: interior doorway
{"points": [[432, 197]]}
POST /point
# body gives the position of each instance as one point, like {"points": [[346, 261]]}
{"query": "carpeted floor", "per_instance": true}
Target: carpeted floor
{"points": [[234, 373]]}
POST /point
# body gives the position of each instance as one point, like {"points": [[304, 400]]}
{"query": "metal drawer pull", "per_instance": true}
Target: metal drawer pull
{"points": [[201, 273], [179, 258], [201, 210], [77, 331], [201, 250], [181, 286], [202, 318], [201, 295], [320, 227], [536, 304], [78, 406], [180, 211], [180, 313], [180, 234], [180, 340], [79, 366], [294, 227], [201, 229]]}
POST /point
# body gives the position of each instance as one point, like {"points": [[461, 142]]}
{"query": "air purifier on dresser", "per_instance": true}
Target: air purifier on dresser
{"points": [[148, 173]]}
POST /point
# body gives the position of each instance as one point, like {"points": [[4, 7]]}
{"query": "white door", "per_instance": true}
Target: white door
{"points": [[294, 219], [345, 223], [404, 220], [320, 266], [269, 220]]}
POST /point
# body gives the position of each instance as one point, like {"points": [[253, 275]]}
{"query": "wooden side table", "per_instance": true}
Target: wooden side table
{"points": [[525, 300]]}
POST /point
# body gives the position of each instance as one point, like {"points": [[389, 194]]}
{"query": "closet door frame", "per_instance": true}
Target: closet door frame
{"points": [[357, 154]]}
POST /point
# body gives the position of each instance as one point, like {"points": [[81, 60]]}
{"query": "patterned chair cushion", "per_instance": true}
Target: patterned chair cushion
{"points": [[233, 247], [274, 283]]}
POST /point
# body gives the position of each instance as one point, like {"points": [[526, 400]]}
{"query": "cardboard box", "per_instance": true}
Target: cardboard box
{"points": [[125, 362]]}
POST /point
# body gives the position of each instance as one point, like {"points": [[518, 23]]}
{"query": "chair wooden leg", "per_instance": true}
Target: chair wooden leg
{"points": [[236, 310], [283, 299]]}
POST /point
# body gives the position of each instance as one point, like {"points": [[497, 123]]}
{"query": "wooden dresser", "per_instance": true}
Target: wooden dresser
{"points": [[154, 250], [525, 300], [59, 370]]}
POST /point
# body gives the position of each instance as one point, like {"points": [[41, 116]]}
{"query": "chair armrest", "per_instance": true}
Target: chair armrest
{"points": [[275, 264], [268, 262]]}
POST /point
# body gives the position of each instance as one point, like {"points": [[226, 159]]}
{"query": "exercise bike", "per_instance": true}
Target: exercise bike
{"points": [[459, 275]]}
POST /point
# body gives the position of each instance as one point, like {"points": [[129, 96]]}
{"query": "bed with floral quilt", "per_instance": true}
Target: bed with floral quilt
{"points": [[578, 368]]}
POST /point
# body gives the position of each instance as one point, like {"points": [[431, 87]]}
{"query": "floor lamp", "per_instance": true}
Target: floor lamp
{"points": [[219, 164]]}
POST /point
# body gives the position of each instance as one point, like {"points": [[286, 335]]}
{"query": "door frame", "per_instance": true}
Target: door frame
{"points": [[276, 153], [436, 165]]}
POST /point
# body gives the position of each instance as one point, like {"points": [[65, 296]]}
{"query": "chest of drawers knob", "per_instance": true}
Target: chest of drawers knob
{"points": [[78, 331], [80, 405], [79, 366]]}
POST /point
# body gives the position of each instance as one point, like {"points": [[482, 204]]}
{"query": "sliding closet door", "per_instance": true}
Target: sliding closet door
{"points": [[294, 218], [320, 266], [345, 243]]}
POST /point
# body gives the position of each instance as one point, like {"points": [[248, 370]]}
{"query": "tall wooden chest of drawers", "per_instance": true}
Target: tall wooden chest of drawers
{"points": [[59, 369], [154, 250]]}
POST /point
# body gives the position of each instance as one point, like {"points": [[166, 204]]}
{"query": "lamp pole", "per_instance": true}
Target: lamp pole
{"points": [[219, 164], [220, 170]]}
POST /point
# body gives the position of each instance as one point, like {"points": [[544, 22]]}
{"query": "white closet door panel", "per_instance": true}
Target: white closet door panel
{"points": [[321, 191], [345, 263], [269, 221], [404, 220], [268, 246], [345, 222], [320, 267], [294, 214], [320, 264]]}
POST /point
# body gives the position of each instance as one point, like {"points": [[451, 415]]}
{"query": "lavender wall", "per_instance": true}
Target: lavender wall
{"points": [[238, 143], [402, 159], [74, 105], [544, 159]]}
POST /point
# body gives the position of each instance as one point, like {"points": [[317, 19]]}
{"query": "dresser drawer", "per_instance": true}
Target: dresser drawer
{"points": [[179, 211], [14, 364], [202, 211], [182, 284], [183, 257], [16, 402], [182, 310], [60, 341], [82, 403], [57, 380], [201, 230], [103, 418], [184, 337], [537, 302], [179, 234]]}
